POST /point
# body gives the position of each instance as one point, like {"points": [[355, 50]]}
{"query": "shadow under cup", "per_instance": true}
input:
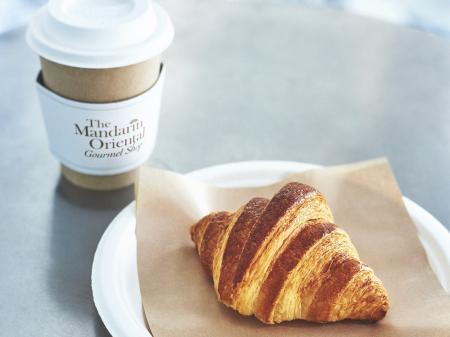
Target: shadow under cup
{"points": [[100, 86]]}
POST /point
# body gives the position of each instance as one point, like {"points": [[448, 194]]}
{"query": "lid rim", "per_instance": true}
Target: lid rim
{"points": [[154, 45]]}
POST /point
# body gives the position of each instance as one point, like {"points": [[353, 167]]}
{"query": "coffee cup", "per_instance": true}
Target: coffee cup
{"points": [[100, 85]]}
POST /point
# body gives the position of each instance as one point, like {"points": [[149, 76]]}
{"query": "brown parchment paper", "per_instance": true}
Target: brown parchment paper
{"points": [[179, 298]]}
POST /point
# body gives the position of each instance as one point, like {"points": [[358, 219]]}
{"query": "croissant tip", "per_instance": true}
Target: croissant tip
{"points": [[375, 316], [192, 230], [380, 313]]}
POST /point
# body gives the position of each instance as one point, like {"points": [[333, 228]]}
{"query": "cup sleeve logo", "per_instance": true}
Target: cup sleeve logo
{"points": [[104, 139]]}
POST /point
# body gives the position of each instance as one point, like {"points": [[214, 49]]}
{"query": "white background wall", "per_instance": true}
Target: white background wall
{"points": [[428, 15]]}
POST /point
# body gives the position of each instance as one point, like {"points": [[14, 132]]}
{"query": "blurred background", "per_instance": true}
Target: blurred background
{"points": [[426, 15]]}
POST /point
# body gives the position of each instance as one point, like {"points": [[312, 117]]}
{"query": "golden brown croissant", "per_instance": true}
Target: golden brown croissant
{"points": [[284, 259]]}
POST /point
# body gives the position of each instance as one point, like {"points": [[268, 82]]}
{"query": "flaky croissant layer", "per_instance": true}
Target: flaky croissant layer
{"points": [[284, 259]]}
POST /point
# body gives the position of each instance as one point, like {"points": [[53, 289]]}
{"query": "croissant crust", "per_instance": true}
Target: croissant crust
{"points": [[284, 259]]}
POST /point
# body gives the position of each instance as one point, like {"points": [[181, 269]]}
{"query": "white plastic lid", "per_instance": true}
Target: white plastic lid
{"points": [[100, 33]]}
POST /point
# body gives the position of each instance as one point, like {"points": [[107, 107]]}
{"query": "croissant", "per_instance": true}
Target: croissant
{"points": [[284, 259]]}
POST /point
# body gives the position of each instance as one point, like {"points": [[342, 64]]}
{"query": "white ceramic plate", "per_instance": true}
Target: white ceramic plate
{"points": [[115, 283]]}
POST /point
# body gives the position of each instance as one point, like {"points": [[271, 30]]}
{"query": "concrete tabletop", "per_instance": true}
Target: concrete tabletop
{"points": [[246, 80]]}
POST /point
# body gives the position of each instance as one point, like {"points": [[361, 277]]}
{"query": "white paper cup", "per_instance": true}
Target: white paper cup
{"points": [[98, 57]]}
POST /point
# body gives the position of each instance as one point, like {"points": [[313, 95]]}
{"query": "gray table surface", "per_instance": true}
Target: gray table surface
{"points": [[245, 81]]}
